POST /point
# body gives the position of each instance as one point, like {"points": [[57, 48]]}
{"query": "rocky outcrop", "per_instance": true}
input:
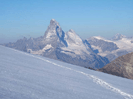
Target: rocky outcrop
{"points": [[122, 66]]}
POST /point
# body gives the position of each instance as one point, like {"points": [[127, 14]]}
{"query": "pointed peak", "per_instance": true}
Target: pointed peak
{"points": [[54, 22], [53, 29], [118, 36], [71, 33]]}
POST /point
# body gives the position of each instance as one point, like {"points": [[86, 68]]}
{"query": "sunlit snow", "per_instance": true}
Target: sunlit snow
{"points": [[26, 76], [40, 52]]}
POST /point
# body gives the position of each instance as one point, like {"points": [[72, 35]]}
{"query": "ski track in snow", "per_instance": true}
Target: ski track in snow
{"points": [[94, 78]]}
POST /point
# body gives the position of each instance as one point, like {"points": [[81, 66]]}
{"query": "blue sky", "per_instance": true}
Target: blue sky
{"points": [[30, 18]]}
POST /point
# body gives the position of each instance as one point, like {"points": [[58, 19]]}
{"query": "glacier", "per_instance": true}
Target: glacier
{"points": [[27, 76]]}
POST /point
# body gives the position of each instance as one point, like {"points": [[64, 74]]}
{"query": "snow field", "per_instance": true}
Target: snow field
{"points": [[26, 76], [95, 79]]}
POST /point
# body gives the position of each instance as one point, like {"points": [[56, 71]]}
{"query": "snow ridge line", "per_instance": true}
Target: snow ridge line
{"points": [[94, 78]]}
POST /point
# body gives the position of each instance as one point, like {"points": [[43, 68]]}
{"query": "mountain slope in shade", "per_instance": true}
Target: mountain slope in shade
{"points": [[122, 66], [78, 53], [57, 44], [27, 76]]}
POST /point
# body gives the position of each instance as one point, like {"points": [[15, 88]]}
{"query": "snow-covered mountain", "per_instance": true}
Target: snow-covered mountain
{"points": [[111, 49], [94, 52], [27, 76], [118, 37], [57, 44]]}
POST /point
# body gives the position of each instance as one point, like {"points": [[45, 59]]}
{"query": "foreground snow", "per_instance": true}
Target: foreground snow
{"points": [[26, 76]]}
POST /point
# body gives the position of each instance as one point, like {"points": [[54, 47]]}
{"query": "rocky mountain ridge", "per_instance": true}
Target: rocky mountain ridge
{"points": [[94, 52], [57, 44], [122, 66], [111, 49]]}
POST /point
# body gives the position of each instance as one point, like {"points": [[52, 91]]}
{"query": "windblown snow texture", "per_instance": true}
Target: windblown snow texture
{"points": [[26, 76]]}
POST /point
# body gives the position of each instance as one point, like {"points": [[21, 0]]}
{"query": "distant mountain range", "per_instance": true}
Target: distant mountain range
{"points": [[119, 45], [94, 52]]}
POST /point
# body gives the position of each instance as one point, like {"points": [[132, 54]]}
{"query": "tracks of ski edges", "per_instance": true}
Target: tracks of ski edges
{"points": [[94, 78]]}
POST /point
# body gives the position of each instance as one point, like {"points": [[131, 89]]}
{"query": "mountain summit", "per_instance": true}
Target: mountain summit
{"points": [[73, 38], [57, 44], [54, 22], [94, 52], [118, 37], [54, 30]]}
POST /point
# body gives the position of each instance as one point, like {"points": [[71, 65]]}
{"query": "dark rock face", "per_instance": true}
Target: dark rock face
{"points": [[122, 66]]}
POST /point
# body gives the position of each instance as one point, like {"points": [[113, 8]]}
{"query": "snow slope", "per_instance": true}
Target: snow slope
{"points": [[75, 45], [26, 76]]}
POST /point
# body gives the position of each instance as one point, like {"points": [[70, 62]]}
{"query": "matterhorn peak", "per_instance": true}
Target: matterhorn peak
{"points": [[54, 30], [54, 22]]}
